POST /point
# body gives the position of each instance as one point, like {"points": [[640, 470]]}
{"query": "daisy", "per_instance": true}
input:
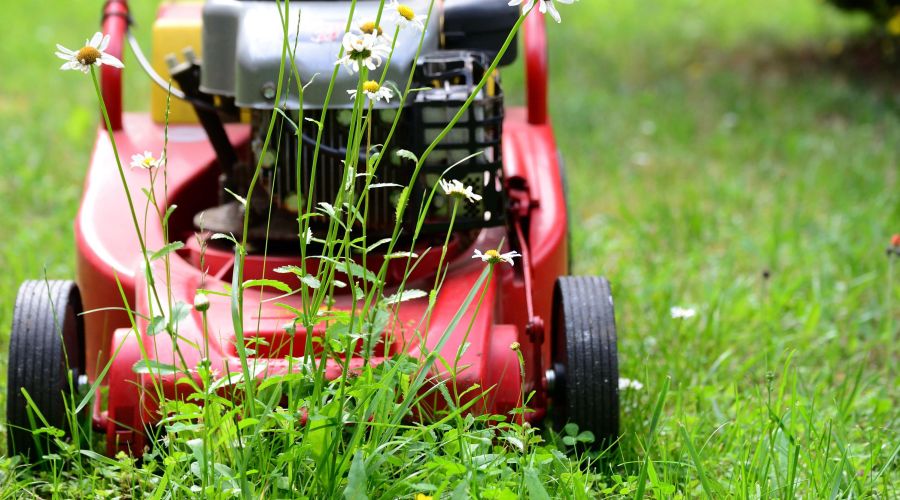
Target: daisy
{"points": [[627, 383], [682, 312], [363, 50], [459, 190], [90, 55], [544, 6], [406, 17], [145, 161], [374, 91], [495, 257], [370, 28]]}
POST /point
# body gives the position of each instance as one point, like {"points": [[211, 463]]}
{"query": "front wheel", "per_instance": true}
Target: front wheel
{"points": [[585, 357], [46, 361]]}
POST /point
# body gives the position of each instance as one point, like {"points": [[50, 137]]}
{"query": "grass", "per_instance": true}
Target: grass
{"points": [[730, 156]]}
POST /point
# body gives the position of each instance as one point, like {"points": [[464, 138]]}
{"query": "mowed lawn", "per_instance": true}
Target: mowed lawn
{"points": [[730, 156]]}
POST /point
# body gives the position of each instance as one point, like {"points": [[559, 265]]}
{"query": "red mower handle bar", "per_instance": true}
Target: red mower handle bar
{"points": [[115, 24], [536, 59]]}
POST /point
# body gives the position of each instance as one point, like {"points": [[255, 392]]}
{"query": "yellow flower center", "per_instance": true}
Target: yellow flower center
{"points": [[406, 12], [371, 86], [493, 254], [149, 162], [87, 55], [370, 28]]}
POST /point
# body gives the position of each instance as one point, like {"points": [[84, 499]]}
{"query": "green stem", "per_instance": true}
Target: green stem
{"points": [[121, 171]]}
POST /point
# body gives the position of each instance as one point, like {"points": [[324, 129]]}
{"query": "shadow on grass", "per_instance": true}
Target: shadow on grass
{"points": [[868, 61]]}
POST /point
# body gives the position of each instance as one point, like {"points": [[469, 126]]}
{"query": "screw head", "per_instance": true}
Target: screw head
{"points": [[268, 90]]}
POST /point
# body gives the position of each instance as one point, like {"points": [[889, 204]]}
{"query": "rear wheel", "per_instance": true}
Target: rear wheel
{"points": [[585, 358], [46, 360]]}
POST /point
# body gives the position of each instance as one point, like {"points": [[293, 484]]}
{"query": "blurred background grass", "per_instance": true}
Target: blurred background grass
{"points": [[708, 143]]}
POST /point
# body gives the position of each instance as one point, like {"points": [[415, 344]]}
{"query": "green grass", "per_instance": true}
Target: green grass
{"points": [[707, 143]]}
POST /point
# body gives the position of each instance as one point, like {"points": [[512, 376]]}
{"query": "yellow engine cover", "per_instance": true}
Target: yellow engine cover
{"points": [[178, 26]]}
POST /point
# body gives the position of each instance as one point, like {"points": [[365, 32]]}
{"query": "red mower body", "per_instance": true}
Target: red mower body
{"points": [[517, 300]]}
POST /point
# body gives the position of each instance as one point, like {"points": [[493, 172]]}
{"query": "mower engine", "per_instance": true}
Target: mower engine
{"points": [[243, 44]]}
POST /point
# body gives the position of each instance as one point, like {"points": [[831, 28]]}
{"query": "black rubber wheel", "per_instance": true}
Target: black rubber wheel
{"points": [[46, 345], [585, 358]]}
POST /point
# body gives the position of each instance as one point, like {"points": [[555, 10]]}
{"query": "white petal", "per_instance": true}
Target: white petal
{"points": [[65, 50], [95, 40], [103, 43], [554, 13], [111, 60]]}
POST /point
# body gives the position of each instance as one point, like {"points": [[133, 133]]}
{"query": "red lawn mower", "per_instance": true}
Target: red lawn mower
{"points": [[565, 325]]}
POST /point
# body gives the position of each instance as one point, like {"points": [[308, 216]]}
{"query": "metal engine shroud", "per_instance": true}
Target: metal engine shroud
{"points": [[242, 46]]}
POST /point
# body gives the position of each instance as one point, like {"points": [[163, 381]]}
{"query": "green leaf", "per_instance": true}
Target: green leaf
{"points": [[404, 296], [157, 325], [288, 270], [710, 486], [329, 209], [654, 422], [240, 199], [409, 155], [278, 285], [536, 490], [233, 378], [168, 214], [383, 185], [585, 437], [166, 250], [247, 422], [401, 202], [356, 479], [154, 367], [311, 281], [223, 236], [353, 269], [180, 311]]}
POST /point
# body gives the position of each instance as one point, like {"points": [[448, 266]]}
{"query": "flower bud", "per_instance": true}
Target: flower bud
{"points": [[201, 302]]}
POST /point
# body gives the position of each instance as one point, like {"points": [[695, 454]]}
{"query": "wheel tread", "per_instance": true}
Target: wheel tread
{"points": [[37, 360], [591, 390]]}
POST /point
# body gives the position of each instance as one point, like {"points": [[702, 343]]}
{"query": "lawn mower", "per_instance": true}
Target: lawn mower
{"points": [[223, 57]]}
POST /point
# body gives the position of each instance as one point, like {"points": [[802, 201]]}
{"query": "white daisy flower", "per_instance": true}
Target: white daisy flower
{"points": [[405, 17], [92, 54], [544, 6], [627, 383], [374, 91], [682, 312], [459, 190], [370, 28], [495, 257], [146, 161], [365, 50]]}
